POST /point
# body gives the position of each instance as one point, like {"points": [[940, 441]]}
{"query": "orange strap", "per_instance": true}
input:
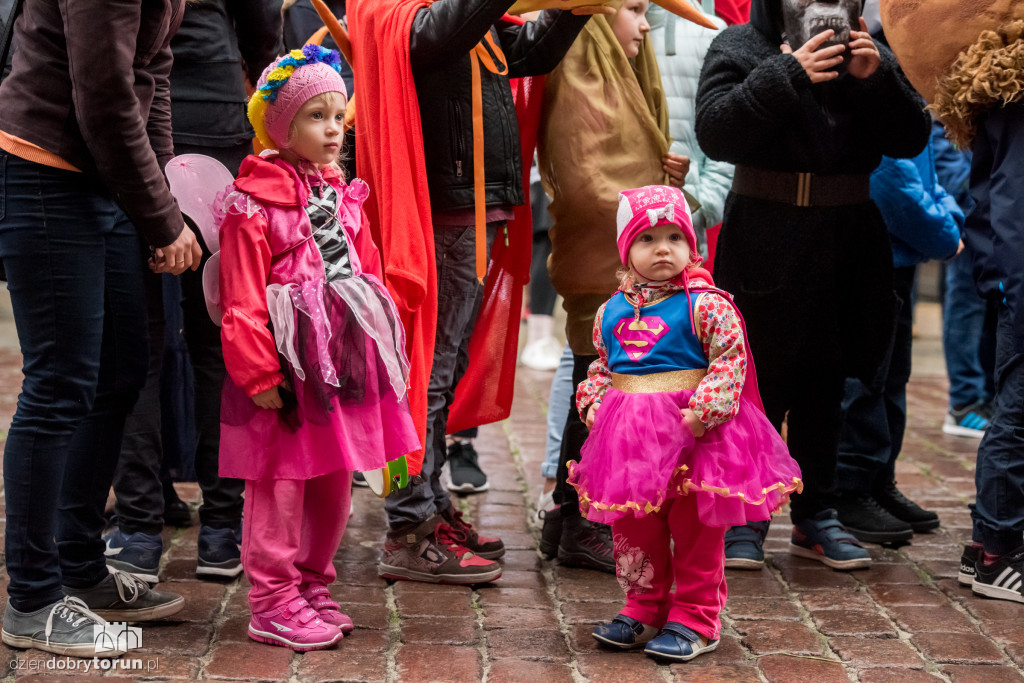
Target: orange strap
{"points": [[498, 65]]}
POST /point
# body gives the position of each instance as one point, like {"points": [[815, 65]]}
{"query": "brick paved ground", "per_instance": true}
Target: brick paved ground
{"points": [[905, 620]]}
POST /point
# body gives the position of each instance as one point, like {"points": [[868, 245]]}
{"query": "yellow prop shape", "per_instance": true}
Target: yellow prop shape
{"points": [[682, 8]]}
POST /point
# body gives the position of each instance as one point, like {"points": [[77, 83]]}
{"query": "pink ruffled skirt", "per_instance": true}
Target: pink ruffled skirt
{"points": [[342, 352], [640, 453]]}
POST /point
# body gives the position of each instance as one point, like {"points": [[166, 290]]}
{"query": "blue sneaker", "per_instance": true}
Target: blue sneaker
{"points": [[137, 554], [677, 643], [971, 421], [219, 553], [825, 539], [744, 546], [624, 633]]}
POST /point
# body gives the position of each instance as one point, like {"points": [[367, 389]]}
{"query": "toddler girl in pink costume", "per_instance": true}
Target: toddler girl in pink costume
{"points": [[313, 347], [679, 448]]}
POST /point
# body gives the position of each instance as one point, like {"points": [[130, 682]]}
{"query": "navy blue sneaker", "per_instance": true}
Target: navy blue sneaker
{"points": [[677, 643], [744, 546], [137, 554], [219, 553], [825, 539], [624, 633]]}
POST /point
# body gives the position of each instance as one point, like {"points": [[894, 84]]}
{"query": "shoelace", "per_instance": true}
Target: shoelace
{"points": [[446, 537], [128, 585], [68, 608]]}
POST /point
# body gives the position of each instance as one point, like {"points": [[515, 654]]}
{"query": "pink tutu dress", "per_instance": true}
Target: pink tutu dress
{"points": [[304, 310], [640, 453]]}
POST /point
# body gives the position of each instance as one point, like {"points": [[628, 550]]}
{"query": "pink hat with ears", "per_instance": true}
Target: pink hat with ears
{"points": [[648, 207]]}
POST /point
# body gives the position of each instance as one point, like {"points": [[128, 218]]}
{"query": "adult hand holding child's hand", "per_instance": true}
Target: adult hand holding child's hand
{"points": [[184, 252]]}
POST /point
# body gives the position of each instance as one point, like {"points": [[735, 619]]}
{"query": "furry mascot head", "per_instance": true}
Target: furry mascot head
{"points": [[964, 57]]}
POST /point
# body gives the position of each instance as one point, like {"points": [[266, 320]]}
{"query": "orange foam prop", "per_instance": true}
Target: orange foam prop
{"points": [[680, 8]]}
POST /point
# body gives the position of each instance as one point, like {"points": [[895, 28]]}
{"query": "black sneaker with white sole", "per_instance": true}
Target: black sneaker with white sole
{"points": [[1003, 579], [968, 559], [464, 473], [219, 554]]}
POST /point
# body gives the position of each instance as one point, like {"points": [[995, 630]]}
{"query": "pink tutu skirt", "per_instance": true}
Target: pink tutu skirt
{"points": [[342, 352], [640, 453]]}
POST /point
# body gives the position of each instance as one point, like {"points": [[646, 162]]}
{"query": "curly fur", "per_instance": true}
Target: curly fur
{"points": [[988, 74]]}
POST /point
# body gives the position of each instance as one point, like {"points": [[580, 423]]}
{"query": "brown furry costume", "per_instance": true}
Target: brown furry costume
{"points": [[988, 74]]}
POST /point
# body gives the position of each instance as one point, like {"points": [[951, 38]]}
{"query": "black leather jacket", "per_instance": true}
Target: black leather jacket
{"points": [[442, 37]]}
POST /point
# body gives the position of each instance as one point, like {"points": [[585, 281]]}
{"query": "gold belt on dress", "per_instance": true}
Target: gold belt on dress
{"points": [[658, 382]]}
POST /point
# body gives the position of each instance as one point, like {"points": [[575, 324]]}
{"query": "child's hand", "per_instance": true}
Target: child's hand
{"points": [[866, 59], [693, 422], [182, 253], [269, 399], [818, 62], [677, 166], [591, 412]]}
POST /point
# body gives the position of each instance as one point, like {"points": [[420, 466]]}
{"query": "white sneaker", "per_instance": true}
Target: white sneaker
{"points": [[544, 503], [543, 354]]}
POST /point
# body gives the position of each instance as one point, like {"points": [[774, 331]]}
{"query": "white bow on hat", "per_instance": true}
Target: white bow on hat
{"points": [[667, 212]]}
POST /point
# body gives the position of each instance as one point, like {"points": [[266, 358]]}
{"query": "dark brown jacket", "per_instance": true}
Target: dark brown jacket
{"points": [[90, 84]]}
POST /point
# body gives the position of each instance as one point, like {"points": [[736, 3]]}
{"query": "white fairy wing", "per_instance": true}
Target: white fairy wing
{"points": [[211, 288]]}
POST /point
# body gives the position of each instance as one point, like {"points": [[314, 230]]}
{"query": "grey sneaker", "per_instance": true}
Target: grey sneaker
{"points": [[123, 597], [66, 627]]}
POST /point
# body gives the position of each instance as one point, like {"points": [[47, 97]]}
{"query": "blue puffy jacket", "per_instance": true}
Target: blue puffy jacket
{"points": [[924, 221]]}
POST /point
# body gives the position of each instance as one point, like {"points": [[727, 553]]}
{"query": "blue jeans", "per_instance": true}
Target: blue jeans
{"points": [[873, 422], [74, 265], [562, 392], [964, 336], [998, 510]]}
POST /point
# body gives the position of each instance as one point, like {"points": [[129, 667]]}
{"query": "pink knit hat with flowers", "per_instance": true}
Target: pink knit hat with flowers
{"points": [[287, 84], [648, 207]]}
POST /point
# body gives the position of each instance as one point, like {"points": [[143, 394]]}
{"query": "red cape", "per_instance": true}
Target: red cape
{"points": [[391, 160]]}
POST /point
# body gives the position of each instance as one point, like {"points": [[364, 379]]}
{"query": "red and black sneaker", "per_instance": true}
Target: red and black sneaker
{"points": [[435, 557], [463, 533]]}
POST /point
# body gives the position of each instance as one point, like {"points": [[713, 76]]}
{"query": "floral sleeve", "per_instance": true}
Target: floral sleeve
{"points": [[599, 377], [716, 399]]}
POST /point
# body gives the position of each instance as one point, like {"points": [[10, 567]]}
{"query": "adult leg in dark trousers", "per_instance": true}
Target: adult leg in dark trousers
{"points": [[998, 510], [138, 485], [582, 543], [871, 439]]}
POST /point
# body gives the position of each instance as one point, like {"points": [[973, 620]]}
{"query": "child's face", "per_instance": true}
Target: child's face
{"points": [[630, 26], [316, 131], [660, 253]]}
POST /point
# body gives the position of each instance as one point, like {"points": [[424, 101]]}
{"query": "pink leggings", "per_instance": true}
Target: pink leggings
{"points": [[291, 531], [647, 562]]}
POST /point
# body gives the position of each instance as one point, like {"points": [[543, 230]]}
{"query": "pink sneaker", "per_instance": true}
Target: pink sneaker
{"points": [[319, 598], [294, 625]]}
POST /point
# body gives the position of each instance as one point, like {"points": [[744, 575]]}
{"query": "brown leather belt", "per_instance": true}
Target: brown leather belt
{"points": [[802, 189], [658, 382]]}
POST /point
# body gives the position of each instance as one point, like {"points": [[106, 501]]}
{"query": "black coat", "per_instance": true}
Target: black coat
{"points": [[442, 37], [815, 283], [218, 43]]}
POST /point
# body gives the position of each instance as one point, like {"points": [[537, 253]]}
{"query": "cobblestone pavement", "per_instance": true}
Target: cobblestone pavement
{"points": [[905, 620]]}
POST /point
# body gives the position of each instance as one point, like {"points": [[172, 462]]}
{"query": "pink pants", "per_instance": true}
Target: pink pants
{"points": [[647, 562], [291, 532]]}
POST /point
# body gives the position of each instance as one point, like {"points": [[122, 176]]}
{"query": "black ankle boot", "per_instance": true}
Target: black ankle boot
{"points": [[870, 522], [901, 507], [586, 544]]}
